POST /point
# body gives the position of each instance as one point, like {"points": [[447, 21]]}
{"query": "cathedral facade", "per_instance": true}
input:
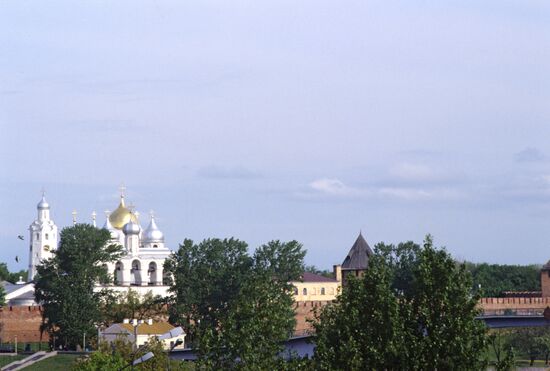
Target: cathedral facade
{"points": [[141, 266]]}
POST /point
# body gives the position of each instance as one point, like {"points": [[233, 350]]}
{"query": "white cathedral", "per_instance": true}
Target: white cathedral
{"points": [[140, 268]]}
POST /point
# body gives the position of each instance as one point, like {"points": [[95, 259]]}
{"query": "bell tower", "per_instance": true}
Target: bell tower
{"points": [[43, 237]]}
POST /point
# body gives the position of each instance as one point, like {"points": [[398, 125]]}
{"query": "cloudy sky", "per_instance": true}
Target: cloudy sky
{"points": [[307, 120]]}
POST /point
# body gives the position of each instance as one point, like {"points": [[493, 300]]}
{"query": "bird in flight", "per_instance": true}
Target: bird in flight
{"points": [[21, 237], [17, 258]]}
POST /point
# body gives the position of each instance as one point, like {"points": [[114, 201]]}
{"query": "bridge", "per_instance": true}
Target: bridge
{"points": [[514, 320]]}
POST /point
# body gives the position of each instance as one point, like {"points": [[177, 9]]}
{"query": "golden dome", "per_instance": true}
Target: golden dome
{"points": [[121, 216]]}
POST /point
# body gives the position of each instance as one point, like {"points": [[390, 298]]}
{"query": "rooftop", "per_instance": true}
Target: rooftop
{"points": [[358, 255]]}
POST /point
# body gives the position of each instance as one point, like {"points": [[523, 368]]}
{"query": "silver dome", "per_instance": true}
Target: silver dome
{"points": [[43, 204], [153, 233], [112, 230], [131, 228]]}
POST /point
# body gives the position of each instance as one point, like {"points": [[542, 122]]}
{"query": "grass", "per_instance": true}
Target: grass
{"points": [[5, 360], [59, 362]]}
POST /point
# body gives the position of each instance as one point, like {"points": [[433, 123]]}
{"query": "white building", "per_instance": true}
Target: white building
{"points": [[140, 332], [141, 266], [145, 252]]}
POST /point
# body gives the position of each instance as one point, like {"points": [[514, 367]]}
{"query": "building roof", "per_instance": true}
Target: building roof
{"points": [[312, 277], [157, 328], [358, 255]]}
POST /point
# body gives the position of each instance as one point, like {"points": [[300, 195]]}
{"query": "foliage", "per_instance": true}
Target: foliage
{"points": [[322, 272], [65, 283], [412, 310], [496, 279], [239, 308], [118, 306], [120, 353], [13, 277], [503, 352]]}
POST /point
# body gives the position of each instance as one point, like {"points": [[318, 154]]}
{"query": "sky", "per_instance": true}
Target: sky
{"points": [[262, 120]]}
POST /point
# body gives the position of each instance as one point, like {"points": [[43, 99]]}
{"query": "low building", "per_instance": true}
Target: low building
{"points": [[140, 332], [314, 287]]}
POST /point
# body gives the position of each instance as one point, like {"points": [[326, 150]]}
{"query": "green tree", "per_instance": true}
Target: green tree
{"points": [[414, 309], [363, 330], [2, 296], [503, 352], [120, 353], [117, 306], [65, 283], [495, 279], [239, 307]]}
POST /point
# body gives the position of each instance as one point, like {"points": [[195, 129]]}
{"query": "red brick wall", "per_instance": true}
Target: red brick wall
{"points": [[519, 305], [305, 310], [23, 322]]}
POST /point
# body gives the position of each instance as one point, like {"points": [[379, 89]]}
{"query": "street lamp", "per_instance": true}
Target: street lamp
{"points": [[137, 361]]}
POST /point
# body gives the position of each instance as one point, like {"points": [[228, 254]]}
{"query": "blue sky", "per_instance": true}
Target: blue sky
{"points": [[280, 119]]}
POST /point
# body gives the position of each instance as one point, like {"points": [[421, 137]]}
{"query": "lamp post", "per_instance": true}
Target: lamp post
{"points": [[178, 342], [143, 358]]}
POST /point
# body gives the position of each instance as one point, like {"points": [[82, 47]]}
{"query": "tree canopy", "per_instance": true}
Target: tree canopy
{"points": [[65, 283], [238, 308], [495, 279], [414, 309]]}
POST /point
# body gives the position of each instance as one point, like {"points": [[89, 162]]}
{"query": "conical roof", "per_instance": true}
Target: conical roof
{"points": [[358, 256]]}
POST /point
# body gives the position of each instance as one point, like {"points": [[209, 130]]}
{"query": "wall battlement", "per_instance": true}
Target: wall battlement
{"points": [[23, 322]]}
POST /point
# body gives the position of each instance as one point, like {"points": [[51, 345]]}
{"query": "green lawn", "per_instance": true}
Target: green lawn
{"points": [[59, 362], [5, 360]]}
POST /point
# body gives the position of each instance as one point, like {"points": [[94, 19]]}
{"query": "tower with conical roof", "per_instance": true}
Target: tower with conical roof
{"points": [[357, 260], [43, 237]]}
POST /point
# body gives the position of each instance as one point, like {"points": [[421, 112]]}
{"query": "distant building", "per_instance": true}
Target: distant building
{"points": [[356, 262], [140, 332], [314, 287]]}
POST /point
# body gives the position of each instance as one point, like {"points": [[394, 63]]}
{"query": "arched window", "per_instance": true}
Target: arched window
{"points": [[37, 236], [304, 291], [155, 245], [118, 274], [152, 272], [295, 290], [47, 236], [322, 291], [135, 273]]}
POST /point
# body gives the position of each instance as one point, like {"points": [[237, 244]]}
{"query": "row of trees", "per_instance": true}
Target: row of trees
{"points": [[413, 309], [495, 279]]}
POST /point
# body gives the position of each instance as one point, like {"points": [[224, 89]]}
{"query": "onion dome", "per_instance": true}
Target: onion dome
{"points": [[153, 233], [131, 228], [43, 204], [121, 216], [108, 226]]}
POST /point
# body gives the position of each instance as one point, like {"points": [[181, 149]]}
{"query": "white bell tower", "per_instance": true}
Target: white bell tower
{"points": [[43, 237]]}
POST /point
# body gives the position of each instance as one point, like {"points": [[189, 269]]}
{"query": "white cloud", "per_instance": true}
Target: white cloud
{"points": [[336, 188], [333, 186]]}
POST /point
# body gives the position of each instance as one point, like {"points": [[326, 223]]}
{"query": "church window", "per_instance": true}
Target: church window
{"points": [[47, 236], [37, 236], [295, 290], [322, 291], [304, 291], [155, 245]]}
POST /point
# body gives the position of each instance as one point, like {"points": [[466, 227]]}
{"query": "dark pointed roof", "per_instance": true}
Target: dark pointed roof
{"points": [[358, 256]]}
